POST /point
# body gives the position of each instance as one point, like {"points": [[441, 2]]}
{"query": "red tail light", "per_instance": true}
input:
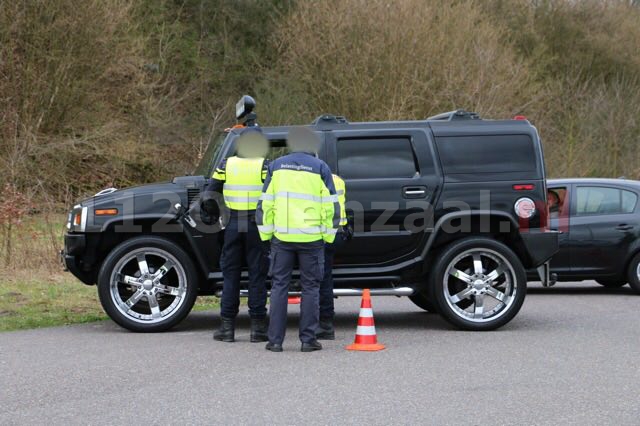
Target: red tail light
{"points": [[524, 187], [519, 117]]}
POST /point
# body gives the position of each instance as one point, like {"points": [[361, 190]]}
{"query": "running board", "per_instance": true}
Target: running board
{"points": [[338, 292]]}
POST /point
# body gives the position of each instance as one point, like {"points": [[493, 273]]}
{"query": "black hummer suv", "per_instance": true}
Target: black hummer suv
{"points": [[449, 211]]}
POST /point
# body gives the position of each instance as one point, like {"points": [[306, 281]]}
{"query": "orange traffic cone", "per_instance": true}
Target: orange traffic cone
{"points": [[293, 300], [366, 339]]}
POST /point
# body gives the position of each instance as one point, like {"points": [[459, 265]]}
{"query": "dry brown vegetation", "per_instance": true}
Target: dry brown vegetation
{"points": [[571, 67], [118, 92]]}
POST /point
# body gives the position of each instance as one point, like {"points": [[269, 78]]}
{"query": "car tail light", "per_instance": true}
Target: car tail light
{"points": [[525, 208], [519, 117], [524, 187]]}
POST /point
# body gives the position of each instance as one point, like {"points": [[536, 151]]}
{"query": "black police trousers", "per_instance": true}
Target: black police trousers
{"points": [[310, 257], [242, 241], [327, 311]]}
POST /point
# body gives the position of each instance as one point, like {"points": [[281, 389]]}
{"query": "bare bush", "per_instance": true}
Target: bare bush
{"points": [[13, 209], [397, 60]]}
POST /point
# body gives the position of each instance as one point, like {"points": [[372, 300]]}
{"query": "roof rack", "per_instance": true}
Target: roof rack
{"points": [[329, 119], [458, 114]]}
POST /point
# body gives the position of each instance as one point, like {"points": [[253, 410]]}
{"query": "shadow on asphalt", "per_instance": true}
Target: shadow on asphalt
{"points": [[398, 320], [402, 319], [198, 321], [582, 290]]}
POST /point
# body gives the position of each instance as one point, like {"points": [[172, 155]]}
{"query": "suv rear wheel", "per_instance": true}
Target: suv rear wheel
{"points": [[147, 284], [478, 284]]}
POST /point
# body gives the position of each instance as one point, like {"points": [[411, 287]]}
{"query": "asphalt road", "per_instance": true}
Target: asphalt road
{"points": [[572, 356]]}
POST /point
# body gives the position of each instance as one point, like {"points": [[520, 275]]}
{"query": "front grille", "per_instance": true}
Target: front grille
{"points": [[193, 195]]}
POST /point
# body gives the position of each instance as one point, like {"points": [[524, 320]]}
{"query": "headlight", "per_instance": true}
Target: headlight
{"points": [[525, 208], [77, 220]]}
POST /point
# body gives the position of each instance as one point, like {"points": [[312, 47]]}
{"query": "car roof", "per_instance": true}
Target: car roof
{"points": [[596, 181], [438, 127]]}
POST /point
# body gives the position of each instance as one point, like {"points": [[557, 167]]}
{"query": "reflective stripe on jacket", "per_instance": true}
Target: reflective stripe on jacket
{"points": [[341, 190], [299, 202], [243, 179]]}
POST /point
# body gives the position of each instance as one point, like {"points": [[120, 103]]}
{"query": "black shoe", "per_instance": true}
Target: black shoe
{"points": [[259, 330], [273, 347], [325, 330], [311, 346], [226, 332]]}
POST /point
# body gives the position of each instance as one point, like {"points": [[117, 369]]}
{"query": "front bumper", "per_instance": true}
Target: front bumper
{"points": [[74, 247], [75, 244]]}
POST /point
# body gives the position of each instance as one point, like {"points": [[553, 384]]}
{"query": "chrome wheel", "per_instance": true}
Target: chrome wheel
{"points": [[479, 285], [638, 272], [148, 285]]}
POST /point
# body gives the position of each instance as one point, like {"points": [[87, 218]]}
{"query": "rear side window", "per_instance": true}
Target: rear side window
{"points": [[381, 158], [486, 154], [593, 200]]}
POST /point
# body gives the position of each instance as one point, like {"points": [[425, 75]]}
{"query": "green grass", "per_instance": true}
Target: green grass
{"points": [[36, 301], [35, 292], [46, 300]]}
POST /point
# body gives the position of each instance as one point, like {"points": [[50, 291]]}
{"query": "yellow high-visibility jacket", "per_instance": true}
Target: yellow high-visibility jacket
{"points": [[299, 202], [243, 180], [341, 190]]}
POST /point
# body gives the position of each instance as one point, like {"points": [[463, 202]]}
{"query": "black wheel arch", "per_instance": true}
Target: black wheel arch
{"points": [[496, 225], [100, 244]]}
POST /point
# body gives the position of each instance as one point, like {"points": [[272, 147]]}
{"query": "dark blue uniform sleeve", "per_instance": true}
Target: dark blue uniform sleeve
{"points": [[213, 190], [265, 169]]}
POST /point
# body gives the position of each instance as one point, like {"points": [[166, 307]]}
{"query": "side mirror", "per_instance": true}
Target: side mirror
{"points": [[245, 106]]}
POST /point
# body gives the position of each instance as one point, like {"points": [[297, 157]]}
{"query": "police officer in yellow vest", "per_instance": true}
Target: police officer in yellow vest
{"points": [[240, 179], [325, 329], [298, 212]]}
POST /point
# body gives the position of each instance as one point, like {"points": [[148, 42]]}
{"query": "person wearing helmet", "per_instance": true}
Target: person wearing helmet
{"points": [[240, 179]]}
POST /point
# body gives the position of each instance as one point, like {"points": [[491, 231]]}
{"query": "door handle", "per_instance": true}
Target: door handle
{"points": [[414, 191], [624, 227]]}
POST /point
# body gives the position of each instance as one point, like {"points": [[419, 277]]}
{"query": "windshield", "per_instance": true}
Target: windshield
{"points": [[206, 162]]}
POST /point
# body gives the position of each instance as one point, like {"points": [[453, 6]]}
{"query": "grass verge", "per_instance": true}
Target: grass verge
{"points": [[53, 299]]}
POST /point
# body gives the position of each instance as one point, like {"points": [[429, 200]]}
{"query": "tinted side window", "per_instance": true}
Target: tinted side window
{"points": [[277, 149], [205, 166], [376, 158], [486, 154], [601, 200]]}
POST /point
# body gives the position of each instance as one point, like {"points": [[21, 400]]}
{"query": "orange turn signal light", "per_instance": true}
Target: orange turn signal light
{"points": [[77, 219], [106, 212]]}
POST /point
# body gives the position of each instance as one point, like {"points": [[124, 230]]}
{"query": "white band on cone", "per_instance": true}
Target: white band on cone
{"points": [[366, 313], [366, 330]]}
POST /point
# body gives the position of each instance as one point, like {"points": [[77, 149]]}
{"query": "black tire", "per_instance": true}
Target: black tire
{"points": [[159, 301], [422, 302], [495, 258], [633, 274], [611, 283]]}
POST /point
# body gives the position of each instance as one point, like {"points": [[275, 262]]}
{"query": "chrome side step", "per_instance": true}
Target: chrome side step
{"points": [[338, 292]]}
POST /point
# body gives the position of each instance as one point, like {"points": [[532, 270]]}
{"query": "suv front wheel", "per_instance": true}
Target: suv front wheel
{"points": [[147, 284], [478, 284]]}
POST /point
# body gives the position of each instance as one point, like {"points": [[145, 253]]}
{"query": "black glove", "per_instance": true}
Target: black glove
{"points": [[347, 232], [210, 206]]}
